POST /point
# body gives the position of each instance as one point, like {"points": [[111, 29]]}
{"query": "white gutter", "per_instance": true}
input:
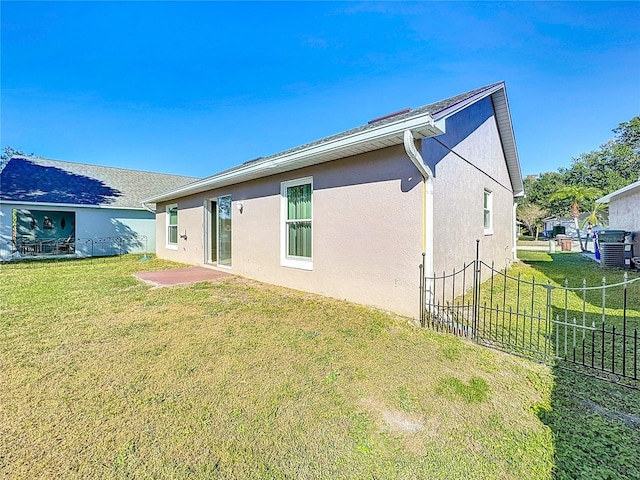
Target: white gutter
{"points": [[67, 206], [427, 175], [312, 154], [144, 205]]}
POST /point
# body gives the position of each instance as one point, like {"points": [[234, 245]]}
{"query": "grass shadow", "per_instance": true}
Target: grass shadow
{"points": [[595, 423], [595, 426]]}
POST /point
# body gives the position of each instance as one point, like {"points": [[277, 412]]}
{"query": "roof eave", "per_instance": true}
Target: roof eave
{"points": [[9, 201], [422, 125], [371, 139], [507, 136], [498, 94], [455, 108], [618, 192]]}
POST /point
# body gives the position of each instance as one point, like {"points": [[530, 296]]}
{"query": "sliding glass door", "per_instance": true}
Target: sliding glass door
{"points": [[212, 243], [224, 231], [219, 242]]}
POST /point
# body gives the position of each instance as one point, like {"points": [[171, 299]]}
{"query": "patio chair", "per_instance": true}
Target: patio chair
{"points": [[27, 246], [65, 245], [46, 246]]}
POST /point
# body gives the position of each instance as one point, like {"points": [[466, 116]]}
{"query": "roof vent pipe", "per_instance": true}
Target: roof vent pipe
{"points": [[427, 225]]}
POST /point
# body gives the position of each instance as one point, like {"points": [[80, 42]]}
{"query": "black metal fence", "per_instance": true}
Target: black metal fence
{"points": [[591, 329], [109, 246], [75, 247], [48, 246]]}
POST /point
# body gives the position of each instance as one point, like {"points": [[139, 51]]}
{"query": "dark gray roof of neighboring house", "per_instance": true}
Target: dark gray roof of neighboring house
{"points": [[556, 218], [41, 180]]}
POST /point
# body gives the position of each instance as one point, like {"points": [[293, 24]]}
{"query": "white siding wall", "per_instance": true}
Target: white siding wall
{"points": [[91, 223], [6, 225], [471, 164]]}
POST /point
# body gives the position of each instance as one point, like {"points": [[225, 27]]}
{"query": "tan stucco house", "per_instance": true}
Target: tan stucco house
{"points": [[348, 216]]}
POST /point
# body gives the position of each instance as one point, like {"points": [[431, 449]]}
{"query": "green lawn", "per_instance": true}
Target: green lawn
{"points": [[102, 376], [595, 424], [514, 307]]}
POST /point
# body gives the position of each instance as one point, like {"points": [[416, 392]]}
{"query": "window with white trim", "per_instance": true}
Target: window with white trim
{"points": [[488, 212], [172, 226], [296, 236]]}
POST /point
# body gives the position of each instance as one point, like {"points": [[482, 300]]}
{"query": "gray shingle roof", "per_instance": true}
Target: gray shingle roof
{"points": [[41, 180], [434, 109], [379, 133]]}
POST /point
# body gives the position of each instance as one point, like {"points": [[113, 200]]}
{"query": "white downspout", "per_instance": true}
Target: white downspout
{"points": [[427, 175]]}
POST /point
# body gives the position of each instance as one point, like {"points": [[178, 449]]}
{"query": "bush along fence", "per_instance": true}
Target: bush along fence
{"points": [[593, 330], [75, 247]]}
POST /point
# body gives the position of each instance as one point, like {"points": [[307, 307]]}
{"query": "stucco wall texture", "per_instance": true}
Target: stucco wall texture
{"points": [[460, 181], [624, 214], [367, 230], [368, 211]]}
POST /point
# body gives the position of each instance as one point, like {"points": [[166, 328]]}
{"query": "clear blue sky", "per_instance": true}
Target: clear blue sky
{"points": [[194, 88]]}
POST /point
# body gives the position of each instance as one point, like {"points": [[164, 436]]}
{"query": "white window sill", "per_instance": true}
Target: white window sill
{"points": [[488, 231], [171, 247], [299, 264]]}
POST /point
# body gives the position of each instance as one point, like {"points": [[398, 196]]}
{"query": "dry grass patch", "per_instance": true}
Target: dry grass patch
{"points": [[102, 376]]}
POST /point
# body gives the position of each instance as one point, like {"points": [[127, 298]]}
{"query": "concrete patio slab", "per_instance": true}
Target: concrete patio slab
{"points": [[180, 276]]}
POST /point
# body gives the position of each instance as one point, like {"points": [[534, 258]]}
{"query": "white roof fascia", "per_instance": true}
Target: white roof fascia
{"points": [[452, 110], [507, 136], [505, 128], [421, 125], [608, 197]]}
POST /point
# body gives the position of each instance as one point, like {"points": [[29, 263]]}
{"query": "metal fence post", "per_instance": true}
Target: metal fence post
{"points": [[476, 292], [624, 325], [549, 320], [422, 295]]}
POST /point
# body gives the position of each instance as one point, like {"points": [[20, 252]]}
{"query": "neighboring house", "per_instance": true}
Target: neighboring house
{"points": [[568, 223], [348, 216], [55, 207], [624, 211]]}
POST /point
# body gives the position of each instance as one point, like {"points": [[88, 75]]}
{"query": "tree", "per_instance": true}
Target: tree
{"points": [[628, 133], [576, 195], [596, 216], [530, 216], [540, 188], [614, 165], [8, 152]]}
